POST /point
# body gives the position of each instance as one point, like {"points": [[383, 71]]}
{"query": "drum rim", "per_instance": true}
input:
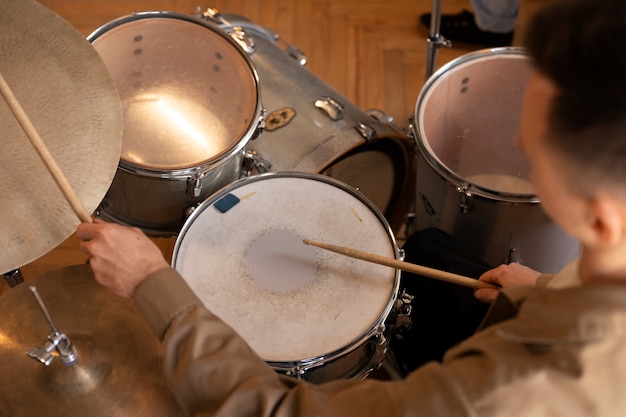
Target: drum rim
{"points": [[305, 364], [443, 171], [256, 121]]}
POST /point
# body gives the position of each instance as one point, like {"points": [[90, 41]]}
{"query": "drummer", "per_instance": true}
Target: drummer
{"points": [[544, 352]]}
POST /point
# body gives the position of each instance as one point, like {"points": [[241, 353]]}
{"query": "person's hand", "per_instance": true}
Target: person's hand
{"points": [[121, 257], [506, 275]]}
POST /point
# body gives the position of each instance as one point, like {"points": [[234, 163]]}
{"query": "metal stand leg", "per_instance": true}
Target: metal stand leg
{"points": [[435, 40]]}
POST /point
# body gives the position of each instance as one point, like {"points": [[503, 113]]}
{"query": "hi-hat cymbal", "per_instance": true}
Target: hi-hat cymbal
{"points": [[70, 98], [119, 371]]}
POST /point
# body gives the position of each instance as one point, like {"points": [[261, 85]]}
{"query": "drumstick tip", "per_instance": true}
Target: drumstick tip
{"points": [[312, 242]]}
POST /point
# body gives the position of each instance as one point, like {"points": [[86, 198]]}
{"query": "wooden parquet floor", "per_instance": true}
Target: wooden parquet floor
{"points": [[370, 51]]}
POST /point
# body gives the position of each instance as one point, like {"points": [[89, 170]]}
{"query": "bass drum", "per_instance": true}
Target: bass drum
{"points": [[310, 127], [472, 180], [191, 103], [309, 313]]}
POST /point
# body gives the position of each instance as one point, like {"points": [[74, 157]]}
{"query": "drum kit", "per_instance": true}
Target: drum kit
{"points": [[234, 149]]}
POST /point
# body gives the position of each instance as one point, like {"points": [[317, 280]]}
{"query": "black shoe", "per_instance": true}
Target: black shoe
{"points": [[462, 28]]}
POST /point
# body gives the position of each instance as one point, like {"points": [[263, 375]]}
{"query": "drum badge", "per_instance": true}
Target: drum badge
{"points": [[279, 118]]}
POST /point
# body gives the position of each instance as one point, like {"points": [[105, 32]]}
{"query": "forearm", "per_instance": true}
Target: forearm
{"points": [[204, 360], [214, 372], [543, 280]]}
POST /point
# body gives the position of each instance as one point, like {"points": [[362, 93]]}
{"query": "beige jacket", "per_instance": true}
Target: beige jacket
{"points": [[566, 278], [543, 353]]}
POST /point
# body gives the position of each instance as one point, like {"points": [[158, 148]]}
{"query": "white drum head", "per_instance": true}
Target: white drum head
{"points": [[288, 300]]}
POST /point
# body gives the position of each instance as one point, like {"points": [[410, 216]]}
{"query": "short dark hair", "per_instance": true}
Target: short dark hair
{"points": [[580, 46]]}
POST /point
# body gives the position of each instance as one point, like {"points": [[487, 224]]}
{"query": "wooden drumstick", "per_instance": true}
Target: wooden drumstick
{"points": [[404, 266], [44, 153]]}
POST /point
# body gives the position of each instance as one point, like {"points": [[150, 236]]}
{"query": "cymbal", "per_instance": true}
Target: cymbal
{"points": [[119, 369], [70, 98]]}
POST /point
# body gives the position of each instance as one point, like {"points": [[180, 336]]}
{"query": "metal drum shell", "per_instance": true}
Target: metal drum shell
{"points": [[366, 150], [159, 205], [158, 198], [500, 226]]}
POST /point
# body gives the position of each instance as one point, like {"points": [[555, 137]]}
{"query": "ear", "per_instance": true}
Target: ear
{"points": [[607, 221]]}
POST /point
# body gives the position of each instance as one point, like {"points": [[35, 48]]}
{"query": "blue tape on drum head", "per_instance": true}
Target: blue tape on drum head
{"points": [[226, 203]]}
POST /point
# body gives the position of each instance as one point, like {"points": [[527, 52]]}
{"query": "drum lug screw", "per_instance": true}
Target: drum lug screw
{"points": [[253, 161], [465, 199], [403, 309], [194, 186], [260, 125], [236, 32]]}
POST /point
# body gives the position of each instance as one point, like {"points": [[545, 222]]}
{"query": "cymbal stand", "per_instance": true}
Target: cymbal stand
{"points": [[435, 39], [56, 340]]}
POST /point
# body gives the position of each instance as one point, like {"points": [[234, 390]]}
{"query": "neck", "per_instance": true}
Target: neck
{"points": [[603, 266]]}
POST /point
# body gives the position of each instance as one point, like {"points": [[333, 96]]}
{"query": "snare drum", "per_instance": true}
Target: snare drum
{"points": [[309, 313], [472, 180], [310, 127], [191, 103]]}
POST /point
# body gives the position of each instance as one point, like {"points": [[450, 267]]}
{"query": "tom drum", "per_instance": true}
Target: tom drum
{"points": [[472, 180], [310, 127], [191, 103]]}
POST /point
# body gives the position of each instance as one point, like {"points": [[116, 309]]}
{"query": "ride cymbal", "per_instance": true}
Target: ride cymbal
{"points": [[70, 98], [119, 371]]}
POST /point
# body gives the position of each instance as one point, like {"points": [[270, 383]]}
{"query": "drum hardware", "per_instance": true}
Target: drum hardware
{"points": [[247, 42], [254, 163], [119, 370], [13, 278], [366, 131], [82, 129], [376, 347], [333, 109], [56, 341], [194, 186], [402, 315], [435, 39], [465, 198], [337, 139], [236, 32]]}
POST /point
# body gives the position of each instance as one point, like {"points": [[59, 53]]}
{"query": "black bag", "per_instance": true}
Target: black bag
{"points": [[443, 314]]}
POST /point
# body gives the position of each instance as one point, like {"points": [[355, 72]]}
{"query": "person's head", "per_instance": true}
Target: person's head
{"points": [[573, 127]]}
